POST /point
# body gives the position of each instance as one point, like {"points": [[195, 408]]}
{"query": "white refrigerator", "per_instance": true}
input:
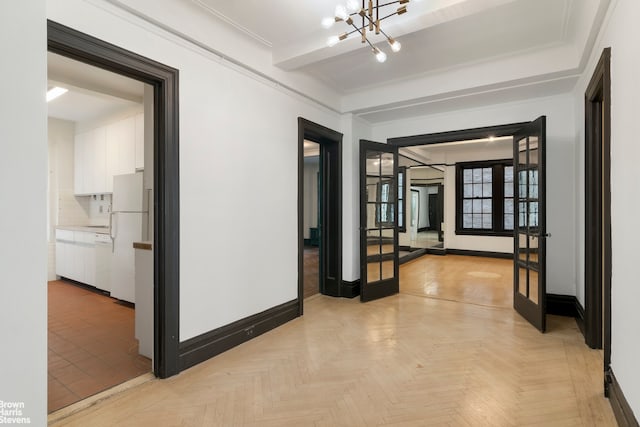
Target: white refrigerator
{"points": [[127, 213]]}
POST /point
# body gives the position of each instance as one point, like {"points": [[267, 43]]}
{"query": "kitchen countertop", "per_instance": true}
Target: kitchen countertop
{"points": [[101, 229], [143, 245]]}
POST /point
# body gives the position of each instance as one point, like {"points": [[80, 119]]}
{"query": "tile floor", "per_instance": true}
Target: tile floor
{"points": [[91, 344]]}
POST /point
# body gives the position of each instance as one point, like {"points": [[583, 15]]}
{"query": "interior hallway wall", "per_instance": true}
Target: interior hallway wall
{"points": [[620, 32], [23, 219], [234, 127]]}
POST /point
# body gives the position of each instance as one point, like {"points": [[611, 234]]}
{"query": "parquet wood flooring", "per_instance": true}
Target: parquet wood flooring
{"points": [[405, 360], [311, 273]]}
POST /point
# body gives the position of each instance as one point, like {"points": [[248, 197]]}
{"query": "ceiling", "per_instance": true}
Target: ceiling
{"points": [[438, 37], [447, 153], [93, 92], [456, 54]]}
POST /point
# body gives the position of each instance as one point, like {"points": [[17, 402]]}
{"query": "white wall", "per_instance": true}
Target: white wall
{"points": [[354, 129], [560, 167], [23, 218], [620, 32], [310, 194], [230, 122]]}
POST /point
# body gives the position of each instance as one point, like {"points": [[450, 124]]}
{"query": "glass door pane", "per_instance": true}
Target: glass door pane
{"points": [[378, 220], [529, 228]]}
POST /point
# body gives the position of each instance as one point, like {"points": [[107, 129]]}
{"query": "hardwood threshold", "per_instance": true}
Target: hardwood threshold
{"points": [[61, 414]]}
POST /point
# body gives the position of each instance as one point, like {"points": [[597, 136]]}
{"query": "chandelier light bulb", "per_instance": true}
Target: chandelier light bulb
{"points": [[341, 12], [353, 6], [328, 22], [395, 45], [380, 55], [352, 11], [332, 41]]}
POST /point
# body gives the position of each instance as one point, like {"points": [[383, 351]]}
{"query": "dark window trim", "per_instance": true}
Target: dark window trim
{"points": [[497, 208], [82, 47]]}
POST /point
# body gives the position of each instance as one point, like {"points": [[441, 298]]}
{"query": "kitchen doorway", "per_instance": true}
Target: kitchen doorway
{"points": [[161, 249], [100, 289]]}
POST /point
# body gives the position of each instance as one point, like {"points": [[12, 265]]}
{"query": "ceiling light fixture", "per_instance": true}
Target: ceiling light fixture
{"points": [[55, 92], [369, 12]]}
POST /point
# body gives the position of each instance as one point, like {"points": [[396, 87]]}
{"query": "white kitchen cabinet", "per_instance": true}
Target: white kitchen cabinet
{"points": [[76, 256], [139, 155], [79, 162], [101, 153], [121, 148]]}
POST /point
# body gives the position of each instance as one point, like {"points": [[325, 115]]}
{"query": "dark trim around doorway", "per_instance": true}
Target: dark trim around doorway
{"points": [[82, 47], [329, 140], [457, 135], [598, 209], [621, 408]]}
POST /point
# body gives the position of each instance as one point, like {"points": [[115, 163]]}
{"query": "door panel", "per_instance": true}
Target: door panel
{"points": [[378, 220], [530, 228]]}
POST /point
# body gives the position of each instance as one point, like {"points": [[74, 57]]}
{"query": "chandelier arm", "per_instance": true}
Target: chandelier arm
{"points": [[387, 4], [360, 31], [385, 34], [388, 16]]}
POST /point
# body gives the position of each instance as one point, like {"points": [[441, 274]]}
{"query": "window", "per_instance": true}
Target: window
{"points": [[484, 202], [401, 190], [385, 206]]}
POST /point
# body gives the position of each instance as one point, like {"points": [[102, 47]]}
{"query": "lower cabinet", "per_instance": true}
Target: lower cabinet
{"points": [[76, 256]]}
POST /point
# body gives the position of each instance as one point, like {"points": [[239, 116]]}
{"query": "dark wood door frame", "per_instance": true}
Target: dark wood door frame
{"points": [[598, 209], [330, 143], [73, 44]]}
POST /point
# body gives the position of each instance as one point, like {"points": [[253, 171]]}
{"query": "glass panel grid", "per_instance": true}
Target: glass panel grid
{"points": [[477, 189]]}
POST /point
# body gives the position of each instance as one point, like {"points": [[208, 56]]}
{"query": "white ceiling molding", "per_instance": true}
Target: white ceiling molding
{"points": [[233, 23]]}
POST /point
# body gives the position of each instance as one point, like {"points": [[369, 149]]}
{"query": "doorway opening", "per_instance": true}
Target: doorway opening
{"points": [[503, 198], [597, 325], [424, 216], [100, 291], [312, 212], [164, 220], [328, 230]]}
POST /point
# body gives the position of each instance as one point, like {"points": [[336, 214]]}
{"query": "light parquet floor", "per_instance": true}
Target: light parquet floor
{"points": [[407, 360]]}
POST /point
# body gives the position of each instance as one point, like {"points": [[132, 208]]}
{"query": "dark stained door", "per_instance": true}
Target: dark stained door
{"points": [[529, 294], [379, 275]]}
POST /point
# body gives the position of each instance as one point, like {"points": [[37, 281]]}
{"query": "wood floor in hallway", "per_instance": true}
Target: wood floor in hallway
{"points": [[409, 359]]}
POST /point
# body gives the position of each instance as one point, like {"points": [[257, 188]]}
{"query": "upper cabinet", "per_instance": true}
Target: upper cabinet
{"points": [[106, 151], [139, 141]]}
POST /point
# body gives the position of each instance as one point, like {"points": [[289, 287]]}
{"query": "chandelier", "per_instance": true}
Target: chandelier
{"points": [[368, 14]]}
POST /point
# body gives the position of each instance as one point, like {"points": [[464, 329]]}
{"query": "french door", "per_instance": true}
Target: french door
{"points": [[529, 293], [379, 275]]}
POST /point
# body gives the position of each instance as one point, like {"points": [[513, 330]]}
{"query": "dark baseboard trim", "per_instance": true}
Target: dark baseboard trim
{"points": [[566, 305], [621, 409], [412, 255], [436, 251], [485, 254], [580, 317], [562, 305], [205, 346], [84, 286], [350, 289]]}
